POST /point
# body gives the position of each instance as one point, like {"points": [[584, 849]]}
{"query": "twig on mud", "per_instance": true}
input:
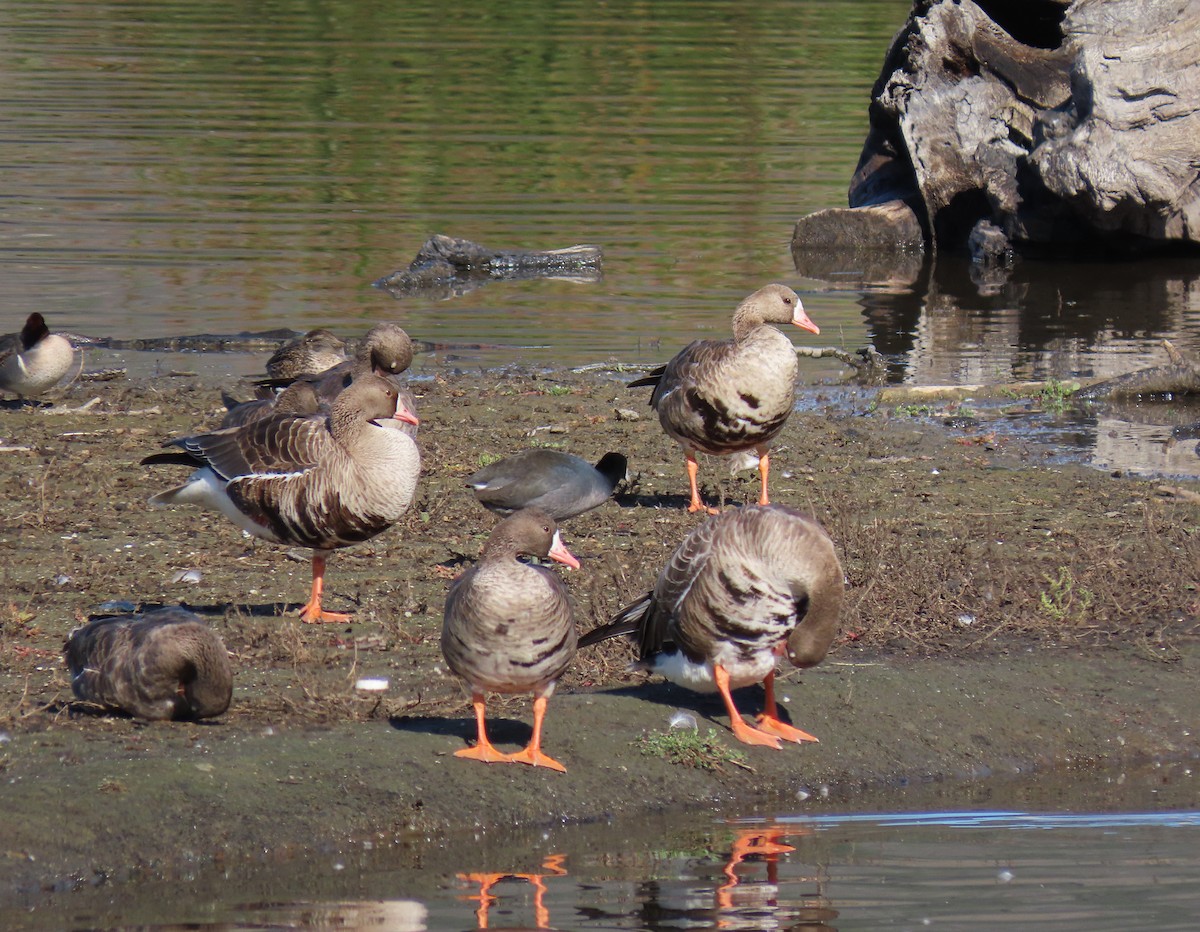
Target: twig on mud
{"points": [[86, 406]]}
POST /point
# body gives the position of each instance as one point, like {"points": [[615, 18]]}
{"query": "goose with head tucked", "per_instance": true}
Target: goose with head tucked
{"points": [[322, 483], [746, 586], [386, 350], [164, 664], [561, 484], [310, 354], [728, 396], [34, 360], [509, 627]]}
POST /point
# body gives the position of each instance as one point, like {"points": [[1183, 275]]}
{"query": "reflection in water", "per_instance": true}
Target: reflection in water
{"points": [[947, 322], [552, 866], [740, 888]]}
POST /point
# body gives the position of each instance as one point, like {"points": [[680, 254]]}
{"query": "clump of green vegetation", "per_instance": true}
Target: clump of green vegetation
{"points": [[691, 749], [1065, 600], [1055, 396], [556, 391], [914, 410], [486, 459]]}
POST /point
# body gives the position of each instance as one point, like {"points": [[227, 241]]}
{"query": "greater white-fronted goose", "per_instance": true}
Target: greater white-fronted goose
{"points": [[726, 396], [560, 484], [306, 481], [509, 627], [744, 587], [299, 398], [385, 350], [164, 664], [310, 354], [34, 360]]}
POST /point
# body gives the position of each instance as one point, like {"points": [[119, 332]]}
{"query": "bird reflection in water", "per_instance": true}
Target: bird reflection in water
{"points": [[552, 866], [764, 844]]}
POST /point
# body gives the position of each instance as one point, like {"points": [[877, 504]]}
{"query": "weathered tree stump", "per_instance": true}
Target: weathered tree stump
{"points": [[1046, 126]]}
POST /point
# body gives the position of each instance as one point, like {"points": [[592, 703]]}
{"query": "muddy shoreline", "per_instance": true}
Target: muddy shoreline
{"points": [[1004, 615]]}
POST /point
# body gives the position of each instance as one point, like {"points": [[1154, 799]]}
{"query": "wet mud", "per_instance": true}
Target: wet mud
{"points": [[1004, 614]]}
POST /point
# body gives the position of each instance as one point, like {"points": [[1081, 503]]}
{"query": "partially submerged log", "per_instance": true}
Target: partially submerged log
{"points": [[1047, 126], [445, 266], [1180, 376]]}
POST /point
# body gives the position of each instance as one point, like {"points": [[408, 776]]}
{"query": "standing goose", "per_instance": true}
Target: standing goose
{"points": [[34, 360], [726, 396], [559, 484], [509, 628], [305, 481], [165, 664], [744, 587], [310, 354]]}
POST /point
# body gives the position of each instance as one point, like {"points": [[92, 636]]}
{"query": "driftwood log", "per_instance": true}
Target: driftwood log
{"points": [[445, 266], [1044, 127]]}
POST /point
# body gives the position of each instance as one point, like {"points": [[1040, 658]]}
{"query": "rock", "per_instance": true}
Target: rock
{"points": [[446, 266], [1056, 126]]}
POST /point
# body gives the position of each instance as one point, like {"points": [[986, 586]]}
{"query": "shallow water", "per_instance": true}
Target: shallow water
{"points": [[1065, 851], [181, 168]]}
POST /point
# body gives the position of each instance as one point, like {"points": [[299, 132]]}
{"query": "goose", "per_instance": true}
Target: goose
{"points": [[560, 484], [164, 664], [386, 350], [744, 587], [35, 360], [727, 396], [509, 627], [298, 398], [310, 354], [322, 483]]}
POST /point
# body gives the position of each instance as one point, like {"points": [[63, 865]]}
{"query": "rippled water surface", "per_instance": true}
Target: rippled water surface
{"points": [[178, 168], [175, 168], [1065, 852]]}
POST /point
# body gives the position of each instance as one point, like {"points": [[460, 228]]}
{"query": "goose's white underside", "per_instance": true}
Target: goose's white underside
{"points": [[699, 676]]}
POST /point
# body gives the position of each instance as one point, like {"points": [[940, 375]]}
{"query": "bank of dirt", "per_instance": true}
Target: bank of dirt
{"points": [[1003, 614]]}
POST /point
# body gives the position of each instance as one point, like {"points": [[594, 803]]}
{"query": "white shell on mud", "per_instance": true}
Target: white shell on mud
{"points": [[187, 576], [369, 684]]}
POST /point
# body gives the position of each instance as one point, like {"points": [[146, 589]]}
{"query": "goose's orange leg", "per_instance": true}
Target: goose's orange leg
{"points": [[747, 734], [764, 467], [483, 749], [770, 722], [693, 471], [533, 751], [312, 613]]}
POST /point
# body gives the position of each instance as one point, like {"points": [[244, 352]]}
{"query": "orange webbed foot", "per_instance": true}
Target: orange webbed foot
{"points": [[774, 726], [749, 735], [537, 759], [315, 615], [486, 753]]}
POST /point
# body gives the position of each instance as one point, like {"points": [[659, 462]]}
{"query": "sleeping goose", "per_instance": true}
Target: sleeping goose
{"points": [[306, 481], [726, 396], [509, 627], [34, 360], [385, 350], [560, 484], [310, 354], [744, 587], [298, 398], [165, 664]]}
